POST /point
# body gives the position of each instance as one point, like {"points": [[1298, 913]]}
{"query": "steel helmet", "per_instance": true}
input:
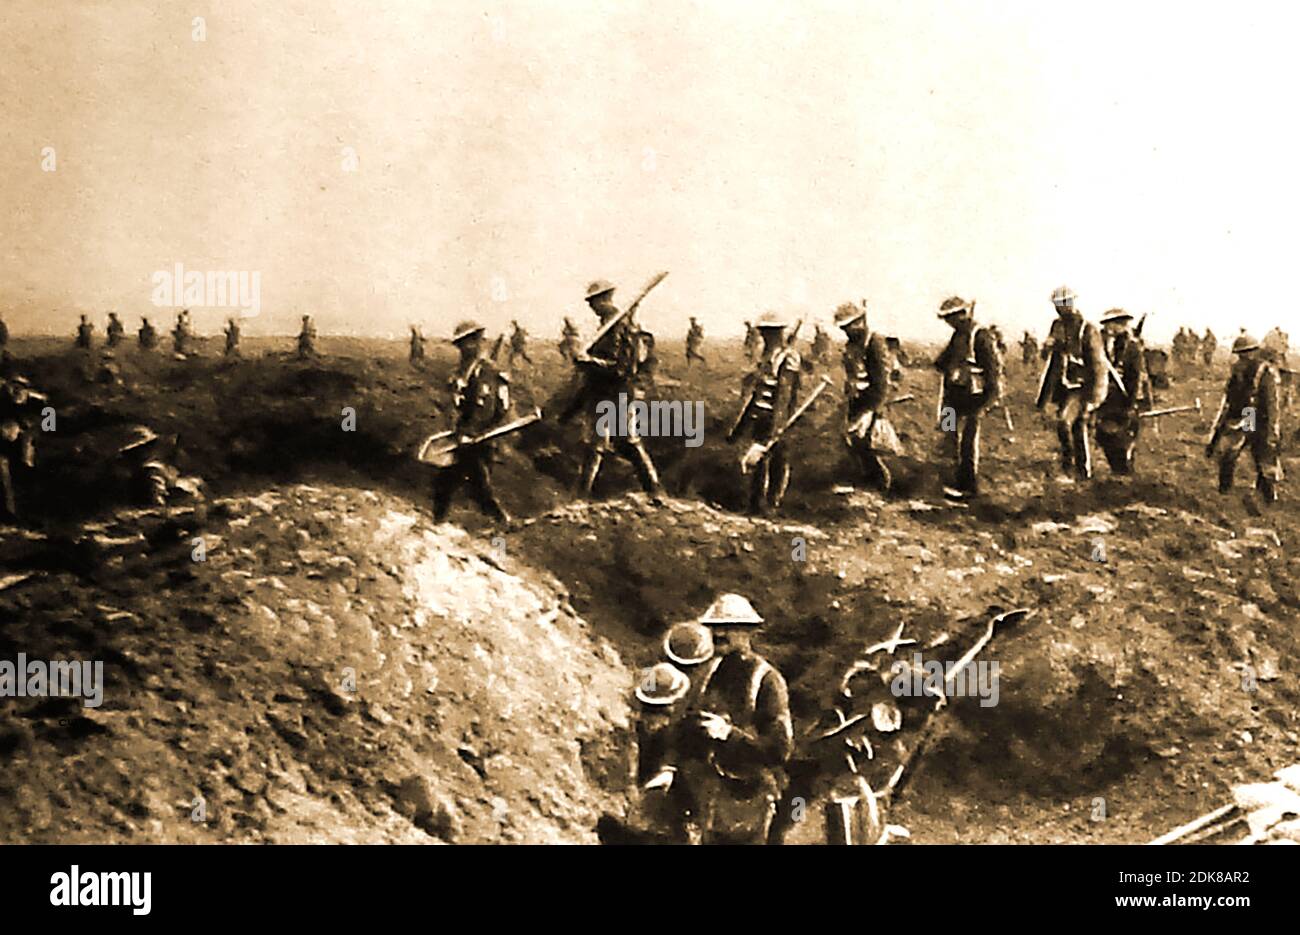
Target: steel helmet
{"points": [[954, 305], [688, 643], [771, 320], [1244, 344], [731, 609], [599, 287], [1116, 314], [1063, 295], [848, 314], [465, 329], [662, 684]]}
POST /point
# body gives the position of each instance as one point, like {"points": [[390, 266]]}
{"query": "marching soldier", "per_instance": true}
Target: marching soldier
{"points": [[518, 343], [1129, 393], [771, 392], [1074, 381], [694, 338], [569, 340], [615, 364], [867, 388], [232, 338], [181, 333], [821, 344], [85, 334], [1249, 417], [1209, 344], [115, 332], [1028, 349], [417, 345], [307, 338], [480, 401], [730, 747], [752, 341], [147, 335], [971, 368], [1277, 343]]}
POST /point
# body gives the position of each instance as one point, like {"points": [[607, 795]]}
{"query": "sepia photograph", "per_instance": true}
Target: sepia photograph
{"points": [[673, 423]]}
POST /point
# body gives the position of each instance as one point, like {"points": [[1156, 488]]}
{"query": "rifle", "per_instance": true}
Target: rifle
{"points": [[615, 319], [1153, 413], [758, 450], [857, 423], [440, 449]]}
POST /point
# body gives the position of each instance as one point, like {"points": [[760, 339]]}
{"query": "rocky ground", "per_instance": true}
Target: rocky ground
{"points": [[1155, 673]]}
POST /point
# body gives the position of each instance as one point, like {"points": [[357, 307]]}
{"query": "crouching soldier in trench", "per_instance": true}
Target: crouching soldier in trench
{"points": [[771, 392], [971, 374], [1075, 381], [1118, 421], [730, 747], [480, 401], [149, 476], [1249, 417], [867, 388]]}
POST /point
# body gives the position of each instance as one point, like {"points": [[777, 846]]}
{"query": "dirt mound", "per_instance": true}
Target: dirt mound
{"points": [[336, 669]]}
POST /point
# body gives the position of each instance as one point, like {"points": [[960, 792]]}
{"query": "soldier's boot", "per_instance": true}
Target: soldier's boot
{"points": [[481, 480], [590, 470], [875, 470], [1267, 488], [645, 470], [445, 483], [1066, 441], [782, 483], [1227, 467]]}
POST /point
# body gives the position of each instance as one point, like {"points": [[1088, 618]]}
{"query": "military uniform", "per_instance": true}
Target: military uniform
{"points": [[180, 335], [147, 336], [1028, 349], [115, 331], [752, 340], [694, 338], [569, 340], [619, 363], [307, 339], [1075, 382], [772, 392], [867, 388], [417, 345], [519, 345], [731, 786], [17, 442], [480, 401], [232, 338], [821, 344], [85, 334], [1250, 418], [1209, 344], [1118, 422], [971, 366]]}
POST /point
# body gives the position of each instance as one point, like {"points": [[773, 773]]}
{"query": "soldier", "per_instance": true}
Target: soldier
{"points": [[1028, 348], [569, 340], [729, 749], [232, 338], [114, 331], [1074, 381], [1157, 363], [19, 404], [613, 365], [4, 335], [1118, 421], [771, 392], [85, 334], [1209, 344], [181, 333], [694, 338], [307, 338], [518, 343], [417, 345], [971, 383], [1250, 416], [147, 335], [867, 388], [821, 344], [752, 341], [1277, 343], [480, 401]]}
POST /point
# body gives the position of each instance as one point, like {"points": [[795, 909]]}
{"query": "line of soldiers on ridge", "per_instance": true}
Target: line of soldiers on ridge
{"points": [[182, 335], [1095, 381]]}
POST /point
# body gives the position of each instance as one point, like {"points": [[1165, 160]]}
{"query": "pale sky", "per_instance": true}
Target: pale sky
{"points": [[770, 155]]}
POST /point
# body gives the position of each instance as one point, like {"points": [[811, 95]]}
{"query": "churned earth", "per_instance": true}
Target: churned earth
{"points": [[493, 665]]}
